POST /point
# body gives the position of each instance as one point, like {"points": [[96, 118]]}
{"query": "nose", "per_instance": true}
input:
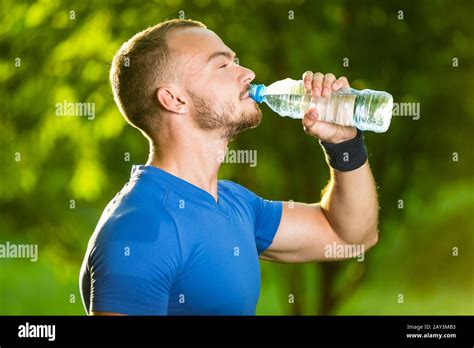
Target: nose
{"points": [[246, 76]]}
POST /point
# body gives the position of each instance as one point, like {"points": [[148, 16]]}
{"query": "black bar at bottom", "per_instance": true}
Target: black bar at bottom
{"points": [[314, 330]]}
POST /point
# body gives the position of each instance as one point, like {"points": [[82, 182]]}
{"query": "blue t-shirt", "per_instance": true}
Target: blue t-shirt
{"points": [[164, 246]]}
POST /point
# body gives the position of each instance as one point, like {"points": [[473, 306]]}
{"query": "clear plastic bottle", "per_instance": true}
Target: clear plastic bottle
{"points": [[366, 109]]}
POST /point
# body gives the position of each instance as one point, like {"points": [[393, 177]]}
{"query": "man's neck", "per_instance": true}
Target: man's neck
{"points": [[195, 160]]}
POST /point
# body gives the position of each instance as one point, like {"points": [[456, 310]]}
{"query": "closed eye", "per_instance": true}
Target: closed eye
{"points": [[223, 66]]}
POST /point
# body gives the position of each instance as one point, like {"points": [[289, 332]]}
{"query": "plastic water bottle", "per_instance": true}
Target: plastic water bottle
{"points": [[366, 109]]}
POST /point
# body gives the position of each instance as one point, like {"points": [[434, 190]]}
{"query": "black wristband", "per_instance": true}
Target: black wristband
{"points": [[348, 155]]}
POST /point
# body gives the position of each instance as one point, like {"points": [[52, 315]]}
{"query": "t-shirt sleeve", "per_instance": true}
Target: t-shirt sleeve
{"points": [[132, 270], [266, 215], [267, 220]]}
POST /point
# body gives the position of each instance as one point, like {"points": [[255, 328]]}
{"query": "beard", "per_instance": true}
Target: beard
{"points": [[208, 118]]}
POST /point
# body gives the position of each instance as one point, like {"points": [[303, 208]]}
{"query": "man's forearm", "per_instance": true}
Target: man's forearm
{"points": [[350, 204]]}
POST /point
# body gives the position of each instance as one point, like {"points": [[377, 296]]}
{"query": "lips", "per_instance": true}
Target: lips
{"points": [[245, 94]]}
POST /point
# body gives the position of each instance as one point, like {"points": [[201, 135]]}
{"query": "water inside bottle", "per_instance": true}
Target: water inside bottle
{"points": [[366, 110], [373, 111], [337, 108]]}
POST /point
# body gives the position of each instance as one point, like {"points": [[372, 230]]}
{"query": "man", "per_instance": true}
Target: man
{"points": [[178, 241]]}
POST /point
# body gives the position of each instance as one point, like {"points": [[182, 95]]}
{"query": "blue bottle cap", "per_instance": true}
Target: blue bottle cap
{"points": [[256, 92]]}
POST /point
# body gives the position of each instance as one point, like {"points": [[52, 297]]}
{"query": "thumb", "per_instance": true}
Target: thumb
{"points": [[309, 119]]}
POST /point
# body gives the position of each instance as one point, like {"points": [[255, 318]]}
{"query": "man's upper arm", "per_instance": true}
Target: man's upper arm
{"points": [[131, 271], [302, 236]]}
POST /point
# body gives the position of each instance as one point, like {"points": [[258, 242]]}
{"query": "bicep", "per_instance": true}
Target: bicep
{"points": [[133, 276], [116, 292], [302, 236]]}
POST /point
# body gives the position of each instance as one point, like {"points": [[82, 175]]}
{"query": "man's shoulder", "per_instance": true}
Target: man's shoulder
{"points": [[143, 188], [135, 212]]}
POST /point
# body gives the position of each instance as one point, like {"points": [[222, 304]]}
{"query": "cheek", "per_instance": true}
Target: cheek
{"points": [[219, 90], [228, 85]]}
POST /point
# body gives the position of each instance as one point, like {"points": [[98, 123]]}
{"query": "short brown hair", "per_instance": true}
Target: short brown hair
{"points": [[137, 68]]}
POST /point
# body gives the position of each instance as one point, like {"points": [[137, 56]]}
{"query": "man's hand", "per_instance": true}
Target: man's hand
{"points": [[321, 86], [347, 214]]}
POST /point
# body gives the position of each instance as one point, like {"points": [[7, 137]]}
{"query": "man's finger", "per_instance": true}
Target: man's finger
{"points": [[327, 83], [317, 84], [307, 78], [309, 119], [341, 82]]}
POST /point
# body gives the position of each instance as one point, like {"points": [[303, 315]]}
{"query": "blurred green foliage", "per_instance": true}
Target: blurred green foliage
{"points": [[61, 50]]}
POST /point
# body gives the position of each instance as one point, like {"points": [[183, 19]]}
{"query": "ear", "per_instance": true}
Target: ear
{"points": [[170, 100]]}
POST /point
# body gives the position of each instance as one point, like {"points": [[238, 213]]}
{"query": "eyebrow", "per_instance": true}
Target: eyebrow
{"points": [[227, 54]]}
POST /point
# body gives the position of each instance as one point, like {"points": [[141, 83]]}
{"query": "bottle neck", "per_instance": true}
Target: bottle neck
{"points": [[256, 92]]}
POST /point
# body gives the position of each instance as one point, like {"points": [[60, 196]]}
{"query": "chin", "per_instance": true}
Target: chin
{"points": [[247, 120], [252, 117]]}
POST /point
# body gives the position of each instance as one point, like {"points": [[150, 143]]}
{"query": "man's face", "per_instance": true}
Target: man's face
{"points": [[216, 85]]}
